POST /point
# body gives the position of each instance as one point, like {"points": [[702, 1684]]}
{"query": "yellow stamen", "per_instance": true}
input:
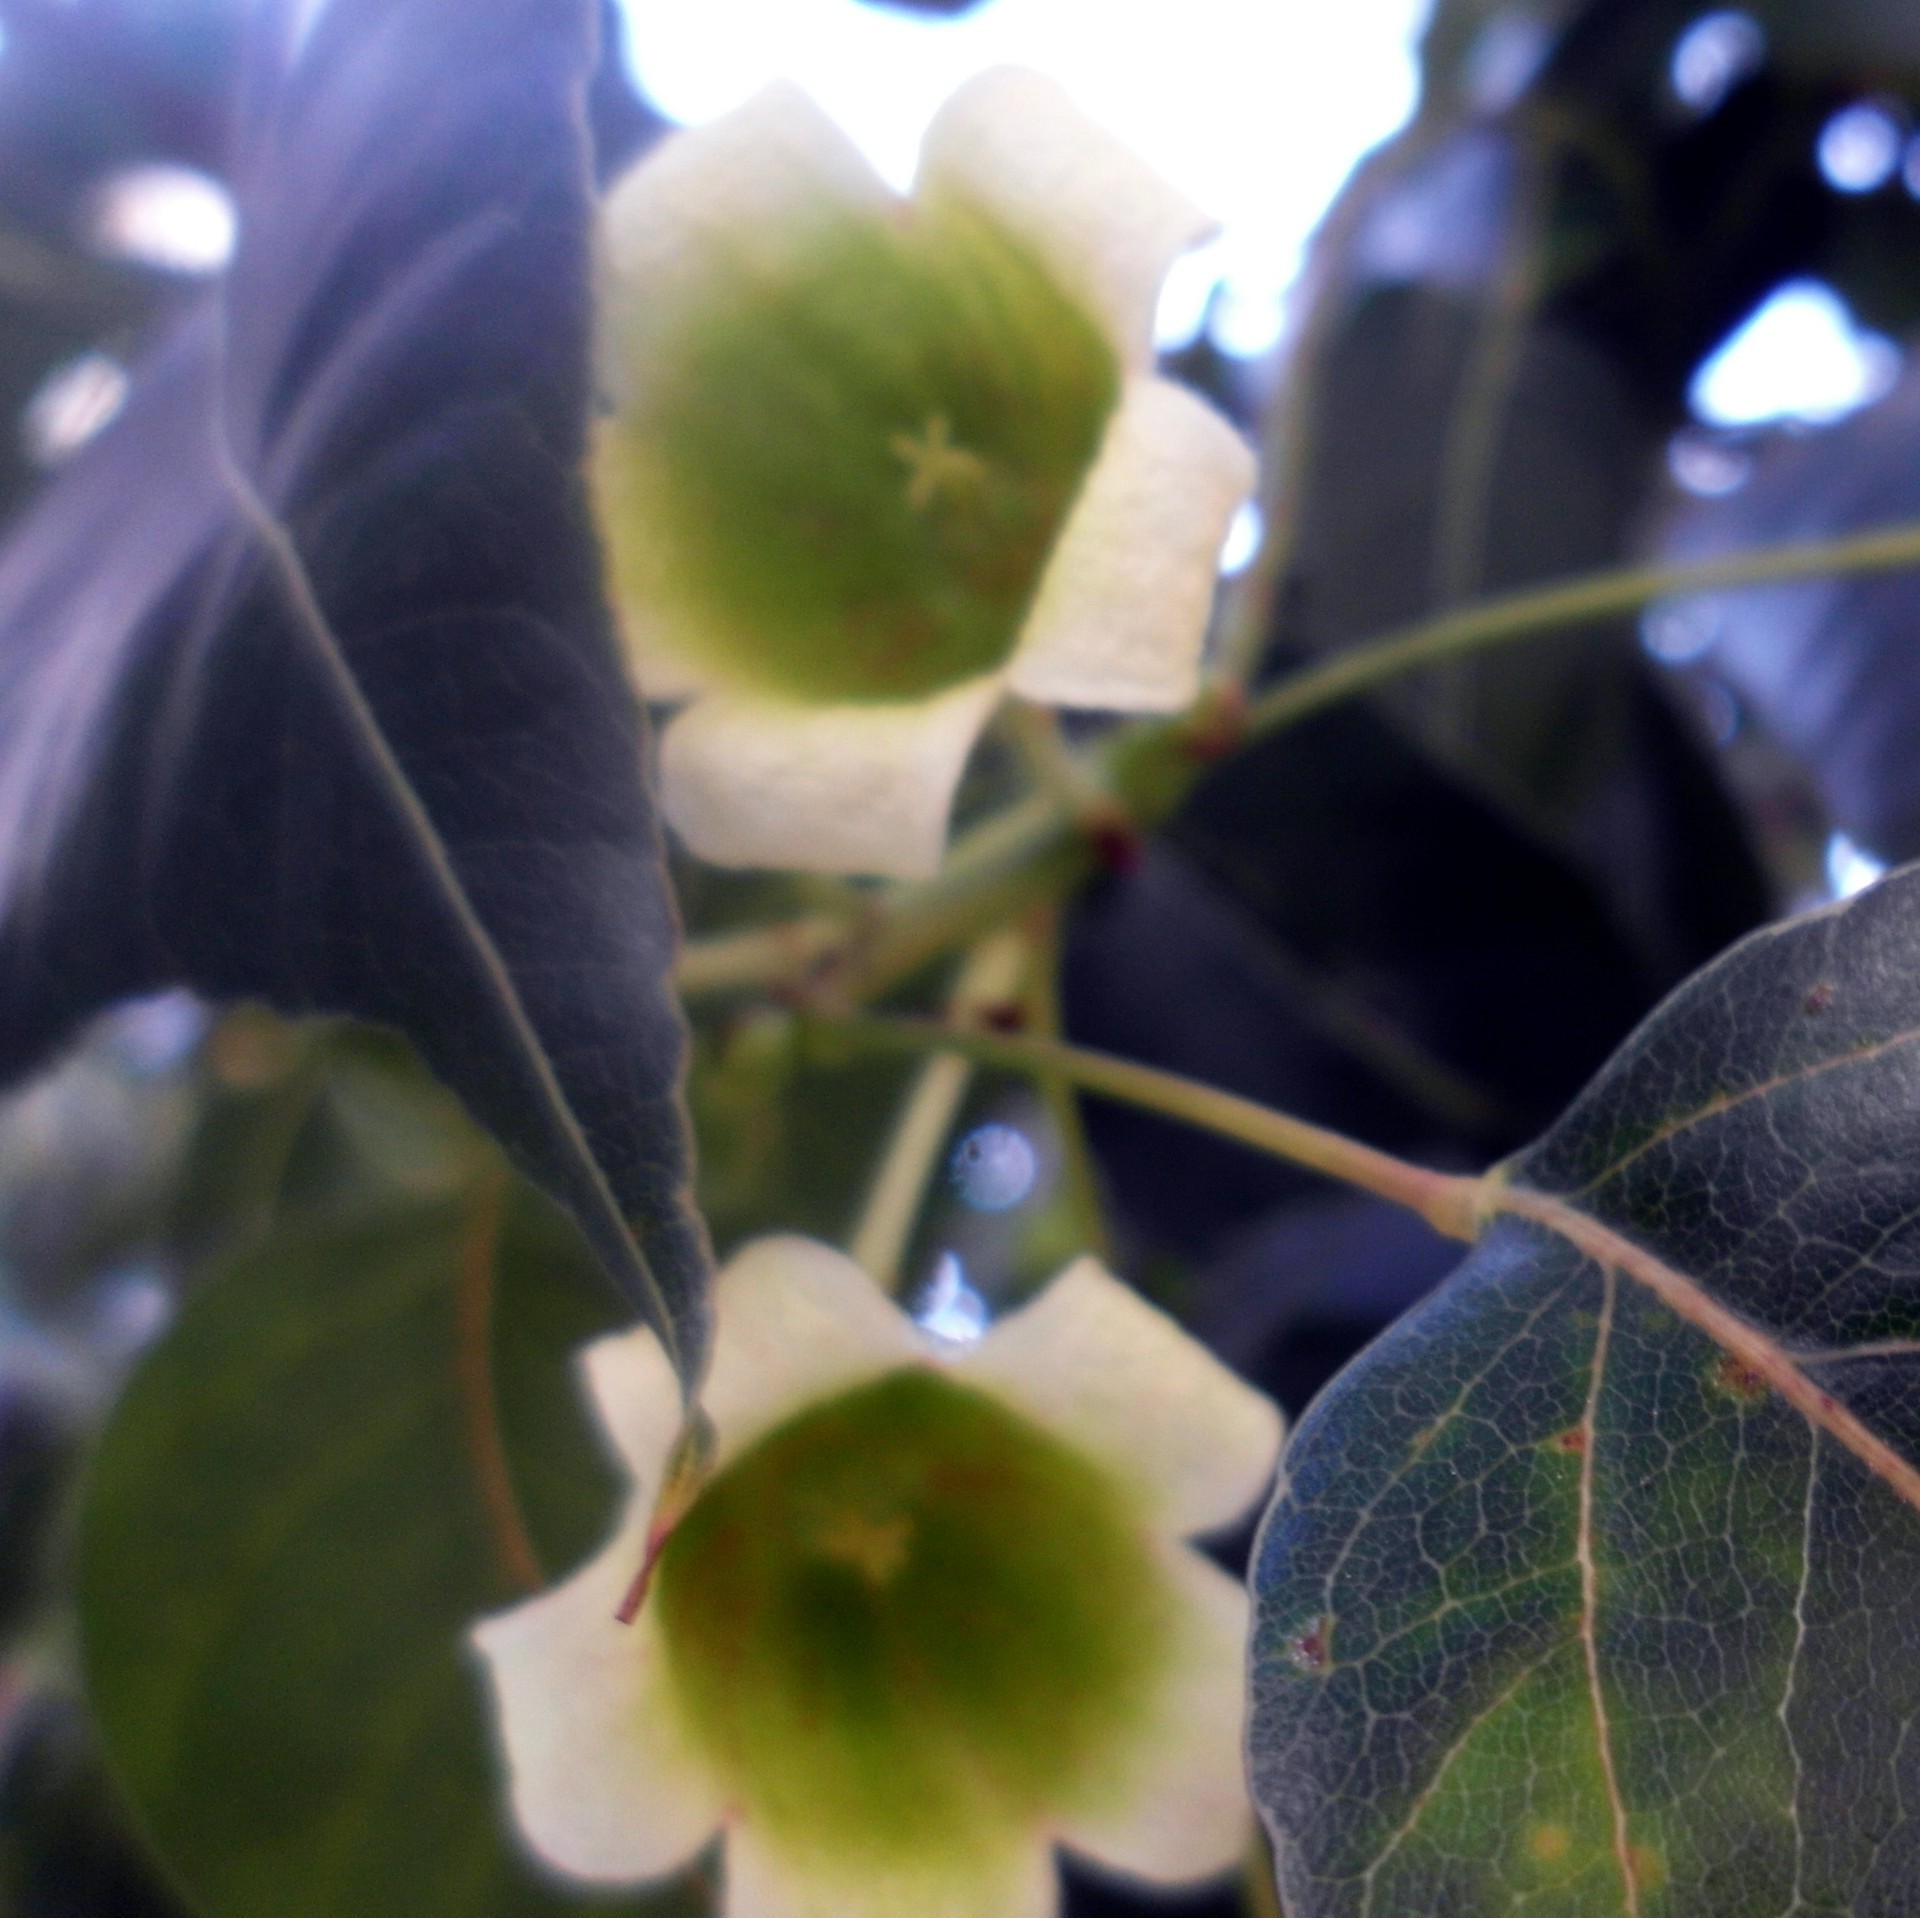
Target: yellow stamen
{"points": [[935, 465], [874, 1547]]}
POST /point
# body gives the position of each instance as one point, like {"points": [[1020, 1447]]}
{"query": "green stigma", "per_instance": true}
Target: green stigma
{"points": [[840, 479], [909, 1617]]}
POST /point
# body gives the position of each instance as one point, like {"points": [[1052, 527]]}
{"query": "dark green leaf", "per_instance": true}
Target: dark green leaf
{"points": [[294, 1517], [307, 688], [1592, 1585]]}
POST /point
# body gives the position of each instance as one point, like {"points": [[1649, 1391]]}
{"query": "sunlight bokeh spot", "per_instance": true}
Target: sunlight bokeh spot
{"points": [[1859, 148], [1800, 355], [1714, 55], [174, 218]]}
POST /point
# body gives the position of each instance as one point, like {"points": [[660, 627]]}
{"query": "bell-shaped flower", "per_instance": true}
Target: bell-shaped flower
{"points": [[872, 463], [930, 1616]]}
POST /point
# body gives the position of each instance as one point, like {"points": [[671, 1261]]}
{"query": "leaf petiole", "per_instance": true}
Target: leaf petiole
{"points": [[1452, 1203]]}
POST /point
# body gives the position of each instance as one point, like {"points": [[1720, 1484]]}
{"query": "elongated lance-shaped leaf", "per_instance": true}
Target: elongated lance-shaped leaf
{"points": [[1594, 1585], [307, 688]]}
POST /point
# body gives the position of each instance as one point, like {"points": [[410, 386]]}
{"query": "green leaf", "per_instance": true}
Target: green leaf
{"points": [[299, 1508], [1591, 1586]]}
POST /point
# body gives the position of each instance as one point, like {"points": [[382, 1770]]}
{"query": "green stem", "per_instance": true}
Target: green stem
{"points": [[747, 961], [1449, 1202], [1080, 1177], [1483, 398], [1035, 851], [1582, 601], [884, 1232]]}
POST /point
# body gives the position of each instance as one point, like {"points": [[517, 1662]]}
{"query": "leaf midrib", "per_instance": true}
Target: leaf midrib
{"points": [[436, 861], [1688, 1300]]}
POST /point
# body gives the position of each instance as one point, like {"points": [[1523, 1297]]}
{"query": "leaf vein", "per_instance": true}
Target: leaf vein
{"points": [[1590, 1594], [436, 859]]}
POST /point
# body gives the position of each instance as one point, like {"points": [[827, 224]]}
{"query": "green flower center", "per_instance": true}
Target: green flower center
{"points": [[908, 1619], [839, 478]]}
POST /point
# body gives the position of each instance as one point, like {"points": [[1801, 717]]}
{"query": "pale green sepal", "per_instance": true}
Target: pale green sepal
{"points": [[1090, 1359], [1184, 1815], [853, 788], [763, 1882], [1120, 618], [606, 1783], [1105, 223], [795, 1322]]}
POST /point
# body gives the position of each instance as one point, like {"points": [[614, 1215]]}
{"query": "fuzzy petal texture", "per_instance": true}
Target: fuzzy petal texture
{"points": [[637, 1400], [863, 789], [1120, 617], [606, 1783], [796, 1322], [764, 1883], [1107, 226], [1186, 1815], [664, 669], [1092, 1361], [750, 186]]}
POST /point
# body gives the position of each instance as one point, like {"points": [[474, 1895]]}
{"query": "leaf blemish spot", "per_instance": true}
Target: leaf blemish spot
{"points": [[1311, 1650], [1649, 1867], [1573, 1441], [1735, 1379], [1548, 1844], [1819, 997]]}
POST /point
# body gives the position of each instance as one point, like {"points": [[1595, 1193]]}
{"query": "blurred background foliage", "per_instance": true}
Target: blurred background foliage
{"points": [[1425, 918]]}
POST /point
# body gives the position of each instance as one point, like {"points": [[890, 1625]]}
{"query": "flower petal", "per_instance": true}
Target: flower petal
{"points": [[766, 1883], [795, 1321], [1094, 1362], [637, 1399], [1121, 614], [1104, 222], [747, 190], [752, 185], [1185, 1814], [845, 789], [663, 669], [606, 1782]]}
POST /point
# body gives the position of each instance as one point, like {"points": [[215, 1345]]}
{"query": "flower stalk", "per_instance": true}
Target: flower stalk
{"points": [[1035, 851], [1452, 1203]]}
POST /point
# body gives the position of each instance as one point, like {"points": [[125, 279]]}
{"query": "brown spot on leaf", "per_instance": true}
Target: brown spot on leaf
{"points": [[1312, 1650], [1738, 1380], [1572, 1441], [1549, 1843], [1649, 1867], [1819, 997]]}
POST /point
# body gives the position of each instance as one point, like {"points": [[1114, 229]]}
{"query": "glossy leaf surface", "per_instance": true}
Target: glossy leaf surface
{"points": [[307, 690], [1592, 1584]]}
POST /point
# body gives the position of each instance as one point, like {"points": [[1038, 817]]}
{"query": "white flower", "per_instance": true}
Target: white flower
{"points": [[929, 1617], [873, 463]]}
